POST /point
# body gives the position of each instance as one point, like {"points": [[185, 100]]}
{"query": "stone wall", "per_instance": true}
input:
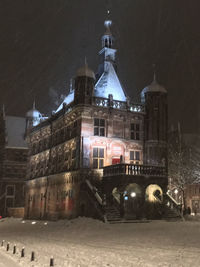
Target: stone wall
{"points": [[53, 197], [16, 212]]}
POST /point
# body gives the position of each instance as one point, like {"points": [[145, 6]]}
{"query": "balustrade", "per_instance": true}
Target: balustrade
{"points": [[131, 169], [110, 103]]}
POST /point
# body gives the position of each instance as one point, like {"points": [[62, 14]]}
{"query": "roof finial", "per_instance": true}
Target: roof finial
{"points": [[154, 72], [86, 61], [34, 103], [71, 85], [108, 7], [108, 21], [3, 111]]}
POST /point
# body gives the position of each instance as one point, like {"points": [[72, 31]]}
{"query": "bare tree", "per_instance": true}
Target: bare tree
{"points": [[184, 164]]}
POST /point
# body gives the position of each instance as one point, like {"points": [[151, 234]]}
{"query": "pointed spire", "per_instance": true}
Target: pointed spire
{"points": [[86, 61], [3, 111], [154, 73], [34, 104], [108, 22], [107, 38], [71, 85], [85, 71]]}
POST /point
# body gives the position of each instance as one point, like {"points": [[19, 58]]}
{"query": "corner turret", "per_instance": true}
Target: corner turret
{"points": [[154, 98], [84, 85], [33, 117]]}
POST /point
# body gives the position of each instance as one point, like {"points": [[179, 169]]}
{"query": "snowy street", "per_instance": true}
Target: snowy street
{"points": [[5, 260], [86, 242]]}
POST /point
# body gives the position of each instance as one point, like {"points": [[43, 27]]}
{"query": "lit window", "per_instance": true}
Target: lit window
{"points": [[98, 157], [99, 127], [135, 131], [135, 155], [131, 155]]}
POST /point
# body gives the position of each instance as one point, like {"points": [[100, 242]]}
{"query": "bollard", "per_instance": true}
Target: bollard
{"points": [[32, 256], [2, 243], [51, 261], [22, 253], [14, 249], [8, 246]]}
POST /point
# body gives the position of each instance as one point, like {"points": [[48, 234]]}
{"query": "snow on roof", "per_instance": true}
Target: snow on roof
{"points": [[153, 87], [33, 113], [108, 84], [108, 24], [68, 99], [15, 130], [85, 71]]}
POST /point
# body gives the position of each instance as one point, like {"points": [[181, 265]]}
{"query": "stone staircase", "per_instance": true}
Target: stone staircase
{"points": [[112, 214], [172, 209], [172, 214]]}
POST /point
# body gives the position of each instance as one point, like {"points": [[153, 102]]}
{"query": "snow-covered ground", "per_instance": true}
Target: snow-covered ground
{"points": [[86, 242]]}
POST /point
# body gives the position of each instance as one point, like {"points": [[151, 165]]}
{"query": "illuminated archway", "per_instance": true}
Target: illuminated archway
{"points": [[154, 193], [133, 200], [133, 190]]}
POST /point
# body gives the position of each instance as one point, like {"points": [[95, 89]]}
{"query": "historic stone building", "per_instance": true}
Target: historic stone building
{"points": [[13, 160], [99, 154]]}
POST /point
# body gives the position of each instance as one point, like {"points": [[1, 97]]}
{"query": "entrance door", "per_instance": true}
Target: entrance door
{"points": [[115, 161]]}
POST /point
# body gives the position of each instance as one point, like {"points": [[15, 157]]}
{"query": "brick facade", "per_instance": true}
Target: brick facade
{"points": [[13, 159]]}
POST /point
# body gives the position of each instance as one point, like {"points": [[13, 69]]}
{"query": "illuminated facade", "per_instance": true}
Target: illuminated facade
{"points": [[99, 149]]}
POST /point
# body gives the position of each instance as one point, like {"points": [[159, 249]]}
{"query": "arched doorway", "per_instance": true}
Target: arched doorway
{"points": [[154, 202], [154, 193], [133, 201]]}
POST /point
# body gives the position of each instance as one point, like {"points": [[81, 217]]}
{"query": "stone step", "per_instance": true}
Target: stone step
{"points": [[170, 213]]}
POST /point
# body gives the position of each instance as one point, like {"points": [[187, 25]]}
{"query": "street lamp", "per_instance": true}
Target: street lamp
{"points": [[176, 191], [133, 194]]}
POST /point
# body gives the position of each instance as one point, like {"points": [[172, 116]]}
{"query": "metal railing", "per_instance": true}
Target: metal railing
{"points": [[173, 205]]}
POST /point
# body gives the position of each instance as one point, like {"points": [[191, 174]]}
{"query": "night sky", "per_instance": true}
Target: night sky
{"points": [[43, 42]]}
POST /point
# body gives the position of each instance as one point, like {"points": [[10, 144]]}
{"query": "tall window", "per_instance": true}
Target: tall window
{"points": [[135, 155], [10, 196], [98, 157], [135, 131], [10, 190], [99, 127]]}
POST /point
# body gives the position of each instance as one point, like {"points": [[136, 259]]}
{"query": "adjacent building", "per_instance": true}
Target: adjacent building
{"points": [[13, 160]]}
